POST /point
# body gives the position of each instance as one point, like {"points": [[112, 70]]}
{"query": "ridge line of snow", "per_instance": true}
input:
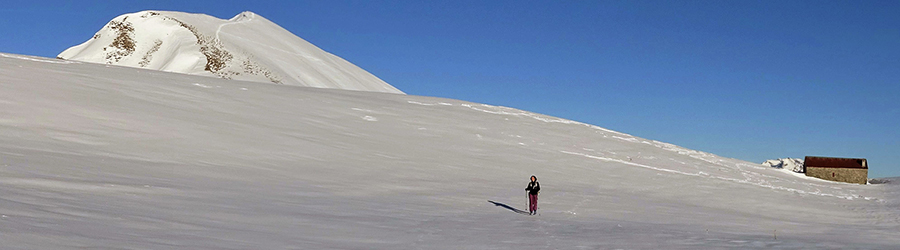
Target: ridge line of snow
{"points": [[219, 29], [537, 116], [38, 60], [633, 164], [848, 196]]}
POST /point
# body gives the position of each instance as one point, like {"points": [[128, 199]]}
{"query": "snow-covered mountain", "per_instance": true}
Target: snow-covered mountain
{"points": [[789, 164], [245, 47], [104, 157]]}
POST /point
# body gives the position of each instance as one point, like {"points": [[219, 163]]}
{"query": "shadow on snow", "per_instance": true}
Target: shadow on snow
{"points": [[507, 207]]}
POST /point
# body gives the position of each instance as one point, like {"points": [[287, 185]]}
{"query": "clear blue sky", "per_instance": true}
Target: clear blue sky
{"points": [[752, 80]]}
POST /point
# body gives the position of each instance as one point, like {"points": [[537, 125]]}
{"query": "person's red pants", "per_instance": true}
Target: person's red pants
{"points": [[532, 202]]}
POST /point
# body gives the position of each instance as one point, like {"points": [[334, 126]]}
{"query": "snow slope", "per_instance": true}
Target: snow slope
{"points": [[100, 156], [245, 47]]}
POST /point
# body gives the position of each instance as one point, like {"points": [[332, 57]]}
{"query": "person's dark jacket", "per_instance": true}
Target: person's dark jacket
{"points": [[533, 188]]}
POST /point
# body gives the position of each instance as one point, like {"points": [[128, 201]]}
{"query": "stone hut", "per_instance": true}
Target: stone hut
{"points": [[848, 170]]}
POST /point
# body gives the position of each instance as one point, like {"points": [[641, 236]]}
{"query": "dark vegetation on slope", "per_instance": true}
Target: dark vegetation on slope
{"points": [[217, 58], [146, 59], [123, 44]]}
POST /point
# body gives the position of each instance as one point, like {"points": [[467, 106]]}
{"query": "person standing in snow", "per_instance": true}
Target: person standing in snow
{"points": [[533, 189]]}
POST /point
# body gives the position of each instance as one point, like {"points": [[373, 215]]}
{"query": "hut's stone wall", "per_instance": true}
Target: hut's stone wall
{"points": [[850, 175]]}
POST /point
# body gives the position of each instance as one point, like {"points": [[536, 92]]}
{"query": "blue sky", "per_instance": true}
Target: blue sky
{"points": [[752, 80]]}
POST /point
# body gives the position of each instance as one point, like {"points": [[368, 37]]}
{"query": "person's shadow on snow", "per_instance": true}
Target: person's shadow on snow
{"points": [[507, 207]]}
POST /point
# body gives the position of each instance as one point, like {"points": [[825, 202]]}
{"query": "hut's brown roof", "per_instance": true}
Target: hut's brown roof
{"points": [[831, 162]]}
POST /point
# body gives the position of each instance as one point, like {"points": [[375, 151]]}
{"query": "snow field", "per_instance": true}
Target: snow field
{"points": [[95, 156]]}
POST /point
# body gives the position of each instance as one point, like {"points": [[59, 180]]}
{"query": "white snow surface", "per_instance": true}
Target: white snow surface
{"points": [[105, 157], [789, 164], [245, 47]]}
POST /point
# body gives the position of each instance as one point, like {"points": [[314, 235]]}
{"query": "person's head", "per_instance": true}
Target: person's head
{"points": [[533, 178]]}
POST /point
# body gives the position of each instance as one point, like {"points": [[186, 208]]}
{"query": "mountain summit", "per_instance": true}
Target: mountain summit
{"points": [[245, 47]]}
